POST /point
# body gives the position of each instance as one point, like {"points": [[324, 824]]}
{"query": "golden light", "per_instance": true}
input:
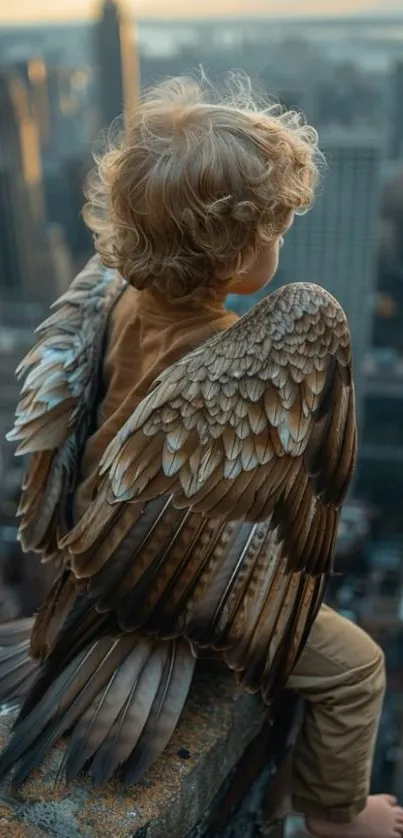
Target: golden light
{"points": [[79, 79], [386, 306], [36, 72]]}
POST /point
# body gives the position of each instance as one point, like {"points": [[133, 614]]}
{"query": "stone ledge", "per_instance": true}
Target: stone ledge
{"points": [[175, 798]]}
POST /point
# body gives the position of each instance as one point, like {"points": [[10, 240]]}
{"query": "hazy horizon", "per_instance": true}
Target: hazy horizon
{"points": [[45, 11]]}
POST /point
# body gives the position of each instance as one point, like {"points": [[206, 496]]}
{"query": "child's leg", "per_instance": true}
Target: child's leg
{"points": [[341, 675]]}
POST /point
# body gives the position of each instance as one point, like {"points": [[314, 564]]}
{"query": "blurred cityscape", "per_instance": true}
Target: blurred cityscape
{"points": [[61, 85]]}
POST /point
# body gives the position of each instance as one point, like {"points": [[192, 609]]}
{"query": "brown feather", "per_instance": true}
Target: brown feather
{"points": [[165, 710], [15, 631], [96, 723], [51, 615], [17, 670]]}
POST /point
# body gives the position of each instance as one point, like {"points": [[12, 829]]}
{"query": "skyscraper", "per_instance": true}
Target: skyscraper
{"points": [[63, 109], [116, 62], [335, 245], [24, 264]]}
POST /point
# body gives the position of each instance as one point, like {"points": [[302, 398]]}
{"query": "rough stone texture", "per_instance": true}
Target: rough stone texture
{"points": [[252, 800], [213, 780], [217, 726]]}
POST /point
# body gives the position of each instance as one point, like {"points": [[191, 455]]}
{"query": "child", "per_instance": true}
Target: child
{"points": [[225, 476]]}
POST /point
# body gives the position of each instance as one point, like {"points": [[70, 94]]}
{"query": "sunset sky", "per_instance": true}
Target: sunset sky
{"points": [[27, 11]]}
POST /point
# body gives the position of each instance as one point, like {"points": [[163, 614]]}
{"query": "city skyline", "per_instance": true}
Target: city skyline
{"points": [[26, 11]]}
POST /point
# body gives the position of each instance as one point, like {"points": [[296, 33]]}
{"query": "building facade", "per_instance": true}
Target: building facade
{"points": [[115, 62], [24, 253]]}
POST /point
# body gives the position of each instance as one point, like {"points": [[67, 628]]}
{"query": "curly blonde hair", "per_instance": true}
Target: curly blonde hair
{"points": [[197, 185]]}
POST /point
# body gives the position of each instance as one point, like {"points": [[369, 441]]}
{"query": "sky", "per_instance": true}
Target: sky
{"points": [[30, 11]]}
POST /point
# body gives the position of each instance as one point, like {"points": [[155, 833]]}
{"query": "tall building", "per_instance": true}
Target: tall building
{"points": [[69, 109], [396, 139], [62, 104], [63, 110], [64, 180], [116, 62], [335, 245], [24, 262]]}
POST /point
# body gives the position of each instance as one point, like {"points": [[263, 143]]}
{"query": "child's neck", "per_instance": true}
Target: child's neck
{"points": [[157, 300]]}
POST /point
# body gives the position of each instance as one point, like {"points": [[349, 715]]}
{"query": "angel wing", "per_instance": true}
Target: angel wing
{"points": [[218, 506], [231, 426], [58, 399], [214, 525]]}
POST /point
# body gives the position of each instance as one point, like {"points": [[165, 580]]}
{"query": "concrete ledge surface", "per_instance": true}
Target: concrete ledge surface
{"points": [[217, 726]]}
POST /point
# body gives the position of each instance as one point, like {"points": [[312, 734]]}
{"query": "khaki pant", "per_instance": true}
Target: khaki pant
{"points": [[341, 676]]}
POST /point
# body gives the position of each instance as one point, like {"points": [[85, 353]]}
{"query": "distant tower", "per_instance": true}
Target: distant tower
{"points": [[24, 253], [116, 62]]}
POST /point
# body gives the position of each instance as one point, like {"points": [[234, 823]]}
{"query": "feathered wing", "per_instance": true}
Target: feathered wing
{"points": [[58, 398], [17, 670], [217, 512], [214, 525], [120, 697]]}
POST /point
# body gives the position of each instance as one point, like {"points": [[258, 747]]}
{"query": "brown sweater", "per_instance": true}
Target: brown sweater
{"points": [[146, 335]]}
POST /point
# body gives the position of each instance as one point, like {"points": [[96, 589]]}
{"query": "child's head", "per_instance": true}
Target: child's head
{"points": [[197, 195]]}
